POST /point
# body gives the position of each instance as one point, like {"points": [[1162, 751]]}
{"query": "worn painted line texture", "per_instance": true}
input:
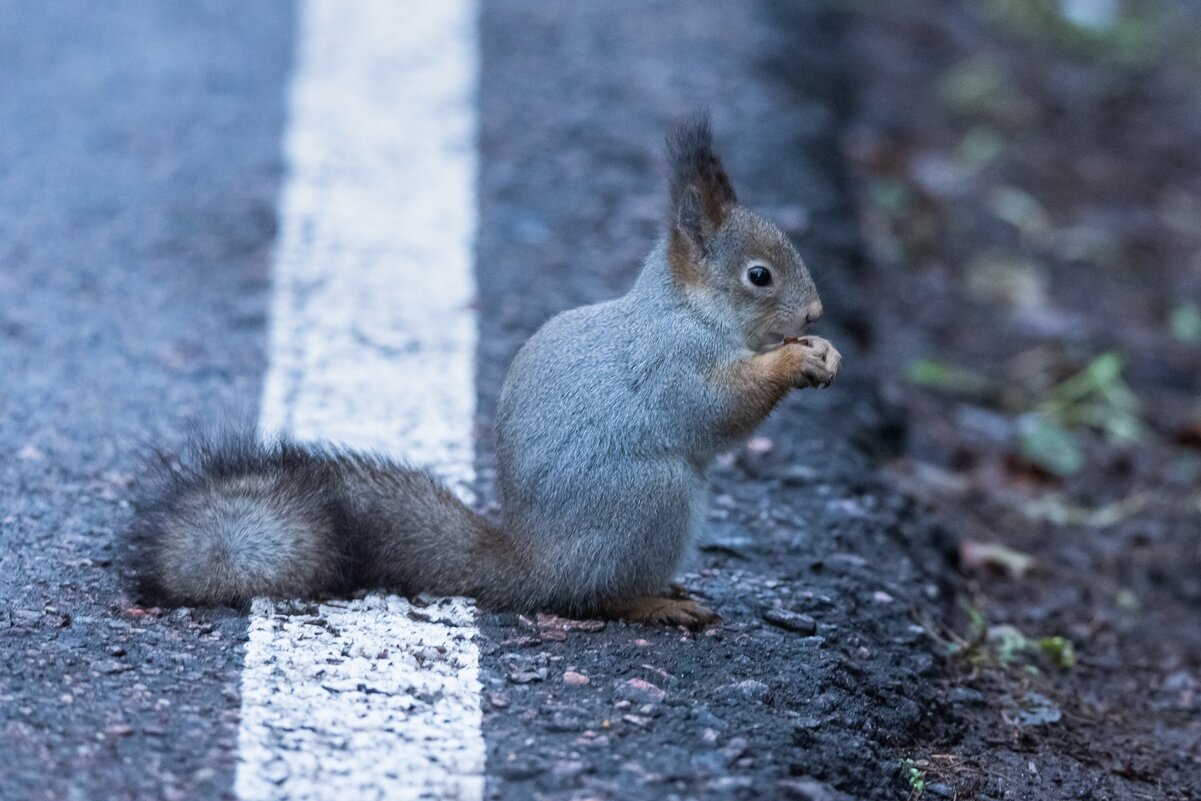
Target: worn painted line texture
{"points": [[372, 345]]}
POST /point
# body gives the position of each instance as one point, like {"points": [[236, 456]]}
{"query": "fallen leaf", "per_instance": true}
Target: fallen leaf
{"points": [[1055, 510], [546, 621], [975, 555]]}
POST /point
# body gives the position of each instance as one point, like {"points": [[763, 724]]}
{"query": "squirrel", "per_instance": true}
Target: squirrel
{"points": [[607, 421]]}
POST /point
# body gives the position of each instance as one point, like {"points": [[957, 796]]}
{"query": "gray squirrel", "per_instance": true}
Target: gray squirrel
{"points": [[607, 421]]}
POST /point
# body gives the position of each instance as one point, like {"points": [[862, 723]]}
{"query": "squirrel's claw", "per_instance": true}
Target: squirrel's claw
{"points": [[819, 362]]}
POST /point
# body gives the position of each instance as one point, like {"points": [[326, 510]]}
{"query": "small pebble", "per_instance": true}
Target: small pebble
{"points": [[754, 690], [520, 771], [640, 691], [809, 790], [568, 768], [563, 722], [527, 676], [797, 622], [758, 446], [704, 716], [735, 749]]}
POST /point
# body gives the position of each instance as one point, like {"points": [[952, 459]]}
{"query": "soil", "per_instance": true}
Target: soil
{"points": [[1029, 188]]}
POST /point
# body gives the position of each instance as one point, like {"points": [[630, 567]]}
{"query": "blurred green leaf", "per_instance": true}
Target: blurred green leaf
{"points": [[1054, 509], [980, 146], [891, 194], [1128, 602], [1094, 14], [1002, 279], [977, 85], [947, 378], [1096, 397], [1051, 447], [1129, 34], [976, 620], [1060, 650], [1184, 321], [1007, 642], [1021, 209]]}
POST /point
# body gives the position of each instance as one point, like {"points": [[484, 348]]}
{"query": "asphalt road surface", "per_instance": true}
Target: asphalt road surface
{"points": [[143, 160]]}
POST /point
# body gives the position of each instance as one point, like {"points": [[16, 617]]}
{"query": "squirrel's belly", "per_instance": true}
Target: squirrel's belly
{"points": [[606, 528]]}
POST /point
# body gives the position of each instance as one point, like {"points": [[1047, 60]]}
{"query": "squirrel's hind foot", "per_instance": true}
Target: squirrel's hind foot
{"points": [[663, 611]]}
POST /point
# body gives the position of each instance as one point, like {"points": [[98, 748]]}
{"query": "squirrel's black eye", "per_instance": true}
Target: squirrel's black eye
{"points": [[759, 276]]}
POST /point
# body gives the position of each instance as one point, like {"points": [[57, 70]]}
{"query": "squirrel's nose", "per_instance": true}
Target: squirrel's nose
{"points": [[813, 312]]}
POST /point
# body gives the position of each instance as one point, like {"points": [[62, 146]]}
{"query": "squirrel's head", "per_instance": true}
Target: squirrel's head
{"points": [[734, 266]]}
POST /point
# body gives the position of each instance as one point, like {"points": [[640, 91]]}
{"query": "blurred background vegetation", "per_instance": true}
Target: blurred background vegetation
{"points": [[1028, 176], [1028, 181]]}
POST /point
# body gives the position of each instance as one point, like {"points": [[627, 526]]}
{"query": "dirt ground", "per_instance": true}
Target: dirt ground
{"points": [[1028, 180]]}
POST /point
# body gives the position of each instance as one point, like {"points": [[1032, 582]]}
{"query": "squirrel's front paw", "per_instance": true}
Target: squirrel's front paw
{"points": [[816, 361]]}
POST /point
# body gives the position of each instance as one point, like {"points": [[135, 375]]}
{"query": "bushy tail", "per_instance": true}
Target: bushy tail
{"points": [[240, 519]]}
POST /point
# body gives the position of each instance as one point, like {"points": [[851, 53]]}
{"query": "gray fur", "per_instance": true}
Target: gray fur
{"points": [[608, 418]]}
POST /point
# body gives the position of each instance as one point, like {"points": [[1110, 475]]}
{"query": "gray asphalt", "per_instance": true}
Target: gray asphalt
{"points": [[139, 169]]}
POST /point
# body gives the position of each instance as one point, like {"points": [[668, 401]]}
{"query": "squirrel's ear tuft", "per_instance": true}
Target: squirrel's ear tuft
{"points": [[701, 194]]}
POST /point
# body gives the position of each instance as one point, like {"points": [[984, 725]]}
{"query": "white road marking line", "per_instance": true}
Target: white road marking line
{"points": [[372, 344]]}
